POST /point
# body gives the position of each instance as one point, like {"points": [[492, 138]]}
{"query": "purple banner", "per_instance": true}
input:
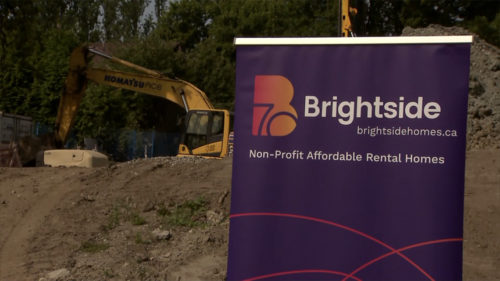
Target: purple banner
{"points": [[349, 161]]}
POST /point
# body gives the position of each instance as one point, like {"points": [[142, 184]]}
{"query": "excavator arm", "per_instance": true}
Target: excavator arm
{"points": [[202, 135]]}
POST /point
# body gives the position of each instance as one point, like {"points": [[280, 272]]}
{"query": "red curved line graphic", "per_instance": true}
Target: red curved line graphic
{"points": [[339, 226], [400, 250], [299, 272]]}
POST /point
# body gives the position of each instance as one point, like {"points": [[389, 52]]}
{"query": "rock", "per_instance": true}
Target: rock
{"points": [[149, 206], [87, 197], [476, 89], [496, 67], [161, 234], [142, 257], [223, 197], [57, 274], [214, 218]]}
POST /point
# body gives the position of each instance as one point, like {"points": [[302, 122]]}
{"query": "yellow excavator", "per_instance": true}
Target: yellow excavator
{"points": [[206, 129], [347, 11]]}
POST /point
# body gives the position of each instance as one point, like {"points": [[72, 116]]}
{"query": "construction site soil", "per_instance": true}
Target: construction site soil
{"points": [[166, 218]]}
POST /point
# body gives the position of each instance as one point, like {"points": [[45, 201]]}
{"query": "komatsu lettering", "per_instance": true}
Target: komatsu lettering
{"points": [[124, 81], [347, 111], [132, 82]]}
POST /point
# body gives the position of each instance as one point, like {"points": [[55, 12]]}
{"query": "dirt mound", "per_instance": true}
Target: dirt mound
{"points": [[150, 219], [483, 127], [167, 219]]}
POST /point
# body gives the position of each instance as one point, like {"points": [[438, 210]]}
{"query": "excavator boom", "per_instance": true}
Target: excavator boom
{"points": [[346, 26], [180, 92]]}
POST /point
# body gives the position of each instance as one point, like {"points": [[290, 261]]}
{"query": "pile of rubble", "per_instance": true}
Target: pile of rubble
{"points": [[483, 122]]}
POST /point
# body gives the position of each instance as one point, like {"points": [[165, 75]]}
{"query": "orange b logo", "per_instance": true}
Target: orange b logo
{"points": [[272, 113]]}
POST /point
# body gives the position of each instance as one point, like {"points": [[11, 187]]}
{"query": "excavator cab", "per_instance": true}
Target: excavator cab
{"points": [[206, 133]]}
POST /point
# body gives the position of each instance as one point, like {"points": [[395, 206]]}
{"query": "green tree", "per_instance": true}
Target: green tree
{"points": [[16, 64], [201, 34], [185, 22], [478, 16], [485, 28], [37, 37], [383, 18], [49, 73], [131, 12], [110, 20], [160, 7]]}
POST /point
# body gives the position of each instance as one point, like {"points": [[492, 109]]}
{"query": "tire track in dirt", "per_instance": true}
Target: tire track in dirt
{"points": [[14, 248]]}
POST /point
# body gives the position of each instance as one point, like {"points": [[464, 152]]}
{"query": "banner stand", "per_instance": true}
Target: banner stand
{"points": [[350, 158]]}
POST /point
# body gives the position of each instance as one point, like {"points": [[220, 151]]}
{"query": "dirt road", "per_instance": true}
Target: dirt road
{"points": [[167, 219]]}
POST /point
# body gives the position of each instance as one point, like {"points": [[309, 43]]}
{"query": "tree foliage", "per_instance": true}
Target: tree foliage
{"points": [[387, 17], [189, 39]]}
